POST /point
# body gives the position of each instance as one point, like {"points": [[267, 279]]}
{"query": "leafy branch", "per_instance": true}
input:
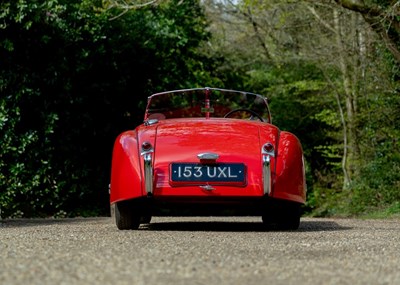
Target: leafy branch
{"points": [[127, 6]]}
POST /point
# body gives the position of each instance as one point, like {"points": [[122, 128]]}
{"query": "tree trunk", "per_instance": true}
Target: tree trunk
{"points": [[348, 64], [386, 23]]}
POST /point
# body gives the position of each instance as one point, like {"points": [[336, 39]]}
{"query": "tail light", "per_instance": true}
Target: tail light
{"points": [[268, 148], [146, 146]]}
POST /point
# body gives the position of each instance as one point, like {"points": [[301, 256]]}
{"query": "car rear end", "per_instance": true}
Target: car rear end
{"points": [[181, 162]]}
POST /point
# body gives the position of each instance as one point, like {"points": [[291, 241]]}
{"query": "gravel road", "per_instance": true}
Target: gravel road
{"points": [[199, 250]]}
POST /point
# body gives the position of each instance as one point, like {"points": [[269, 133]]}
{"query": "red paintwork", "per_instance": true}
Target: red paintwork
{"points": [[180, 140], [221, 136], [126, 174], [289, 181]]}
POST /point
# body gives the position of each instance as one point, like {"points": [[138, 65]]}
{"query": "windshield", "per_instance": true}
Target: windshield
{"points": [[207, 103]]}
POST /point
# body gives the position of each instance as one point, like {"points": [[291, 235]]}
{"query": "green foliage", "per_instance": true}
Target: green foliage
{"points": [[74, 74], [302, 102], [391, 211], [29, 34], [71, 79], [378, 184], [373, 194]]}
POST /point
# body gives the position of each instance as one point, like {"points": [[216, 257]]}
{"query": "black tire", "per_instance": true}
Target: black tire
{"points": [[290, 220], [146, 219], [126, 217], [282, 215]]}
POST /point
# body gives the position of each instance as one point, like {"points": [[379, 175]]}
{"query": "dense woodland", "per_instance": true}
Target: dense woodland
{"points": [[76, 73]]}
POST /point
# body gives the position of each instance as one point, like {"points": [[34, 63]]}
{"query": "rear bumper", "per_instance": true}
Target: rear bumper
{"points": [[209, 206]]}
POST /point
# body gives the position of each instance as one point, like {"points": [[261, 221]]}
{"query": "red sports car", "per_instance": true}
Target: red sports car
{"points": [[207, 151]]}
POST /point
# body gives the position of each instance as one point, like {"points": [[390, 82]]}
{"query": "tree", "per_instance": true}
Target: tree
{"points": [[328, 62], [383, 17], [74, 75]]}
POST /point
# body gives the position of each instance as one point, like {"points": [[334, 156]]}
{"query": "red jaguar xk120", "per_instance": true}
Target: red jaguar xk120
{"points": [[207, 151]]}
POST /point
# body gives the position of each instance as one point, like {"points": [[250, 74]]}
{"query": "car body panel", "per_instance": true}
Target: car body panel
{"points": [[177, 135], [213, 136], [126, 171], [289, 183]]}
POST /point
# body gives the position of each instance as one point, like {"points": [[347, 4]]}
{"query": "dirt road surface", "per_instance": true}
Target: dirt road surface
{"points": [[199, 250]]}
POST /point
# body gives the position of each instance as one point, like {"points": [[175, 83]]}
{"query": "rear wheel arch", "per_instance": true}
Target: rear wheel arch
{"points": [[289, 169], [126, 182]]}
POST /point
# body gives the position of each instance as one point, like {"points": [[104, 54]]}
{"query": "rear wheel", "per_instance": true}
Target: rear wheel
{"points": [[126, 216], [146, 219], [282, 215]]}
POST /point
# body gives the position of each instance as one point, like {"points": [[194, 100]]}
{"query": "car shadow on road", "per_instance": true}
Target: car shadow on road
{"points": [[18, 223], [218, 226]]}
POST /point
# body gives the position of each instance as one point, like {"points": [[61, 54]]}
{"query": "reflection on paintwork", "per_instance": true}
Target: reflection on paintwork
{"points": [[234, 126]]}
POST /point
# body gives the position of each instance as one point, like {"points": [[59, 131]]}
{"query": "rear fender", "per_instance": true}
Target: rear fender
{"points": [[126, 182], [290, 176], [127, 178]]}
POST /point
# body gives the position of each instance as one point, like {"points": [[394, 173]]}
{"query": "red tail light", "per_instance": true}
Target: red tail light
{"points": [[268, 147], [146, 146]]}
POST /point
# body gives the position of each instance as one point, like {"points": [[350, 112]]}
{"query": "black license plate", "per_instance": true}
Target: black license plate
{"points": [[221, 172]]}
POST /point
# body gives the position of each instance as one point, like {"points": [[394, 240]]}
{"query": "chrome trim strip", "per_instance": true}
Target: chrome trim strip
{"points": [[267, 174], [267, 183], [208, 156], [150, 122], [148, 172]]}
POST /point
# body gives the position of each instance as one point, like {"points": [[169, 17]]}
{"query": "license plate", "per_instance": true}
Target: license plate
{"points": [[221, 172]]}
